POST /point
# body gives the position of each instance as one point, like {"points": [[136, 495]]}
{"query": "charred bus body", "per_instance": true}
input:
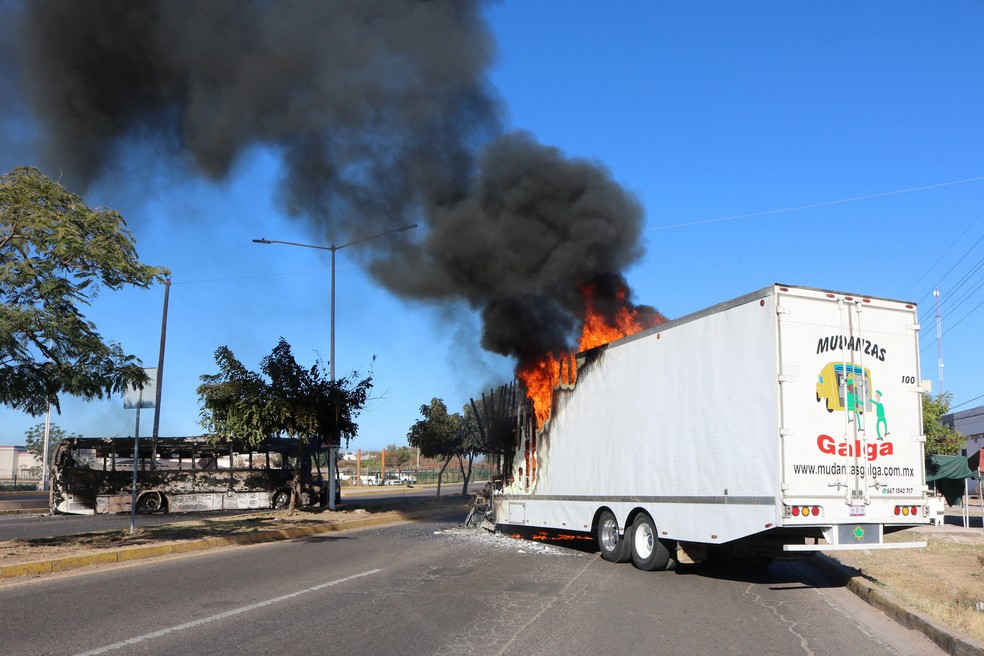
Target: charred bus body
{"points": [[176, 474]]}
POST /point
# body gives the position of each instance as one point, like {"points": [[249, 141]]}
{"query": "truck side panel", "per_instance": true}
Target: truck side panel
{"points": [[680, 420], [789, 411]]}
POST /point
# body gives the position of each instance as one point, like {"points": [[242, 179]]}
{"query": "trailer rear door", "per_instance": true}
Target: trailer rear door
{"points": [[850, 409]]}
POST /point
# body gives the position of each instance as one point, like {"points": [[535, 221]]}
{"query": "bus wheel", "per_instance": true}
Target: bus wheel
{"points": [[280, 500], [150, 502], [648, 553], [614, 548]]}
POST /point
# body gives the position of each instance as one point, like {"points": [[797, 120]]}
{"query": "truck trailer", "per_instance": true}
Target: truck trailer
{"points": [[783, 422]]}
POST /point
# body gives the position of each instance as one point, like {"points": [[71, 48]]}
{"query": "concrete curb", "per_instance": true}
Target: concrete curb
{"points": [[26, 511], [67, 563], [950, 640]]}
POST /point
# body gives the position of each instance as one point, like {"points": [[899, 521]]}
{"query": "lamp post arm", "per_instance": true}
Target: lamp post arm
{"points": [[381, 234], [333, 247], [294, 243]]}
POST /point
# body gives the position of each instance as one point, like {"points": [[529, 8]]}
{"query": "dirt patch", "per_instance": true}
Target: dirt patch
{"points": [[944, 581], [15, 552]]}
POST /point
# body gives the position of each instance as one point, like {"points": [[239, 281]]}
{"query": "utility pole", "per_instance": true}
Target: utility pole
{"points": [[939, 338], [333, 450], [160, 364]]}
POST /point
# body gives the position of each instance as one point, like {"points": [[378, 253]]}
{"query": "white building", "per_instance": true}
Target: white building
{"points": [[18, 464]]}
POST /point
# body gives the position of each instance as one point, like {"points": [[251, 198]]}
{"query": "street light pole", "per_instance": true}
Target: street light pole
{"points": [[331, 356]]}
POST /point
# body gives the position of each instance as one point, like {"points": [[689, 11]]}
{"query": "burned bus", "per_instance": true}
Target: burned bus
{"points": [[177, 474]]}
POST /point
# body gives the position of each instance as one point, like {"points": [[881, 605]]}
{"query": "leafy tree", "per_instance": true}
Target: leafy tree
{"points": [[940, 439], [438, 435], [34, 440], [398, 456], [282, 399], [55, 255]]}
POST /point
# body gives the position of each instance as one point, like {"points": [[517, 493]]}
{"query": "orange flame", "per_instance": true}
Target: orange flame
{"points": [[598, 331], [542, 377], [549, 372], [544, 536]]}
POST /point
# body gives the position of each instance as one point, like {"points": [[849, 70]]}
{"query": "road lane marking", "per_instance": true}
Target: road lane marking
{"points": [[220, 616]]}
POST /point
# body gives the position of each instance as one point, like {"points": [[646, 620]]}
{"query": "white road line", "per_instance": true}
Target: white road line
{"points": [[228, 613]]}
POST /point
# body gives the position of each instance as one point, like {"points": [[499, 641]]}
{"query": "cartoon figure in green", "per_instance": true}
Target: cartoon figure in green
{"points": [[880, 415], [852, 400]]}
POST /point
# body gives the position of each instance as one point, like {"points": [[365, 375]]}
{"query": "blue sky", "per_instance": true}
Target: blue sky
{"points": [[833, 145]]}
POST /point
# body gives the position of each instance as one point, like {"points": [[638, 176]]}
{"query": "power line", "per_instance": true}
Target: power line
{"points": [[954, 324], [828, 203], [949, 248], [966, 402], [955, 264], [955, 304]]}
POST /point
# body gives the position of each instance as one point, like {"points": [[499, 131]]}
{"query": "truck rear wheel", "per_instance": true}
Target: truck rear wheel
{"points": [[648, 552], [614, 548]]}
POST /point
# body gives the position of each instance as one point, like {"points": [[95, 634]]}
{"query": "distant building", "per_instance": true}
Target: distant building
{"points": [[353, 455], [970, 423], [17, 464]]}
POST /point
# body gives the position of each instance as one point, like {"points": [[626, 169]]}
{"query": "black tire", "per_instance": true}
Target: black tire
{"points": [[280, 500], [150, 502], [649, 553], [614, 548]]}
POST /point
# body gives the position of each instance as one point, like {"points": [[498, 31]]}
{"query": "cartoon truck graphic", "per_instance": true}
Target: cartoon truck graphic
{"points": [[854, 395]]}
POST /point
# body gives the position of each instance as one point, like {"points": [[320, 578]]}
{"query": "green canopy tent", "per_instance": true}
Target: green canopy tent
{"points": [[947, 474]]}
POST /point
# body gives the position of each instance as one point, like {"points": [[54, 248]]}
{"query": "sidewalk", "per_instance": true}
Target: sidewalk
{"points": [[873, 591]]}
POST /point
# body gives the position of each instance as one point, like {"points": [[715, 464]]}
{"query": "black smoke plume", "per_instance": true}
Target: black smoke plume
{"points": [[382, 114]]}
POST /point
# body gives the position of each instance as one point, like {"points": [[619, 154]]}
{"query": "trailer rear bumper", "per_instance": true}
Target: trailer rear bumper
{"points": [[853, 547], [854, 536]]}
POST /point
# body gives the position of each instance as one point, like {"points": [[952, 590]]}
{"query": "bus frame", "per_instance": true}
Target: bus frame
{"points": [[177, 474]]}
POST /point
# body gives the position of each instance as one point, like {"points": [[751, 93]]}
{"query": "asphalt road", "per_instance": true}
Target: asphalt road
{"points": [[431, 588], [31, 526]]}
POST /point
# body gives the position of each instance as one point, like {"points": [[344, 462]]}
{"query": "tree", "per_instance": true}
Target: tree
{"points": [[438, 435], [55, 255], [941, 439], [34, 440], [283, 399], [397, 456]]}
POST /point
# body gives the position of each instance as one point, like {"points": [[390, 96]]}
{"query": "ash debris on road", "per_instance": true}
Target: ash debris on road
{"points": [[505, 542]]}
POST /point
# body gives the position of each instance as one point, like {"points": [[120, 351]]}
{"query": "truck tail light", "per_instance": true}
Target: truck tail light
{"points": [[906, 511], [803, 511]]}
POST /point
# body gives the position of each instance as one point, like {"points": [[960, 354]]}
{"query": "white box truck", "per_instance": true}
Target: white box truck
{"points": [[787, 420]]}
